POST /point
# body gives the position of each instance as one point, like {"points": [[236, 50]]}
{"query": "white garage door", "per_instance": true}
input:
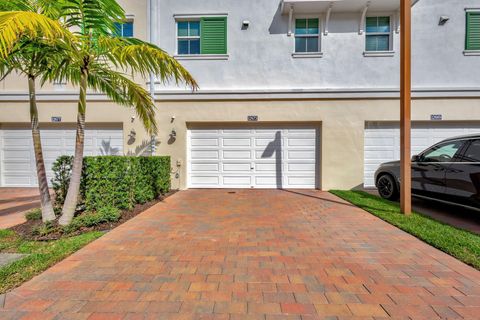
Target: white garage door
{"points": [[382, 141], [253, 158], [17, 158]]}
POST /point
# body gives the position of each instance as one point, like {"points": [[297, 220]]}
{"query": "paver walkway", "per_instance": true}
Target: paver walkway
{"points": [[252, 254], [14, 202]]}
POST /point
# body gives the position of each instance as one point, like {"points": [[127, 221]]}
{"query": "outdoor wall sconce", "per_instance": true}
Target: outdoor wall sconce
{"points": [[132, 134], [443, 20], [245, 24]]}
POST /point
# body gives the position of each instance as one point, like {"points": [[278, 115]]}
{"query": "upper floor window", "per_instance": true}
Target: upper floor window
{"points": [[206, 36], [188, 35], [473, 31], [378, 34], [124, 29], [307, 35]]}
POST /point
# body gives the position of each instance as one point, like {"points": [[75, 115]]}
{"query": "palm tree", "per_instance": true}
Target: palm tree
{"points": [[101, 62], [29, 41]]}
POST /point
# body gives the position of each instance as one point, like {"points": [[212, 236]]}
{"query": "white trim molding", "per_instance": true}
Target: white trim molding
{"points": [[199, 15], [239, 95], [379, 53], [307, 55], [469, 53], [201, 56]]}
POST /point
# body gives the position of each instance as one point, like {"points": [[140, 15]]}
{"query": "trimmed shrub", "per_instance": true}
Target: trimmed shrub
{"points": [[35, 214], [103, 215], [114, 181]]}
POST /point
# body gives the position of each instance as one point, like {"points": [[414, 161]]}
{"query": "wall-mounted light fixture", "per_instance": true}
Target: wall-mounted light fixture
{"points": [[133, 134], [443, 20], [245, 24]]}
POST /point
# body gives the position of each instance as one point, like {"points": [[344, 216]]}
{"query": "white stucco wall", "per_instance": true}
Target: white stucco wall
{"points": [[260, 58]]}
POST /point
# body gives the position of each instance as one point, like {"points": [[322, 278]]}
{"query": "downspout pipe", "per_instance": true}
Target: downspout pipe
{"points": [[151, 8]]}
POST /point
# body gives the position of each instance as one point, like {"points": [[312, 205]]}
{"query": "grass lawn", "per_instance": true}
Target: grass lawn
{"points": [[41, 255], [460, 244]]}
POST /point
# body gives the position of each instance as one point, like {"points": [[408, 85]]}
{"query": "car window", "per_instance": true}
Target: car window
{"points": [[473, 152], [442, 152]]}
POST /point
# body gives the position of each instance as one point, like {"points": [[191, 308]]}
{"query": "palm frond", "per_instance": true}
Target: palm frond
{"points": [[14, 25], [145, 58], [120, 89], [93, 16]]}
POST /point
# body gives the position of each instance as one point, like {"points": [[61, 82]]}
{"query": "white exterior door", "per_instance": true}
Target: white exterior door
{"points": [[253, 158], [17, 158], [382, 141]]}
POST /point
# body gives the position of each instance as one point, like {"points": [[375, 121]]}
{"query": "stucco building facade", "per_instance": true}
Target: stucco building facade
{"points": [[293, 94]]}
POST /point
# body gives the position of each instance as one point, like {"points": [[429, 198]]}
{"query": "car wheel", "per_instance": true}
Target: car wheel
{"points": [[387, 188]]}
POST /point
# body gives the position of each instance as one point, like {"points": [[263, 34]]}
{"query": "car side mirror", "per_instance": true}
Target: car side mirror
{"points": [[416, 158]]}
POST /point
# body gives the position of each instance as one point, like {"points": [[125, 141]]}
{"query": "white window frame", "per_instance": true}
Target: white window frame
{"points": [[318, 53], [390, 52], [178, 38]]}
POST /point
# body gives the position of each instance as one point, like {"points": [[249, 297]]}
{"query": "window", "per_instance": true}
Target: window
{"points": [[307, 35], [124, 30], [443, 152], [205, 36], [378, 34], [188, 33], [473, 31], [473, 152]]}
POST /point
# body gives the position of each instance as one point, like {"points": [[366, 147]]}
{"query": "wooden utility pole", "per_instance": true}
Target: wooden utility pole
{"points": [[405, 106]]}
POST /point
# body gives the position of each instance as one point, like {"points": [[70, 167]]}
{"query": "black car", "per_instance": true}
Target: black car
{"points": [[449, 171]]}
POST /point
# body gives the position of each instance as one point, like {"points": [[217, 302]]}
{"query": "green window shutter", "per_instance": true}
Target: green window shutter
{"points": [[473, 31], [214, 35]]}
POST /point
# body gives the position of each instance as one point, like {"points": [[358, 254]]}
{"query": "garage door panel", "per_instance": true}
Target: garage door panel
{"points": [[266, 154], [237, 154], [205, 180], [301, 181], [17, 180], [208, 167], [301, 154], [237, 142], [237, 181], [266, 167], [17, 164], [206, 154], [17, 142], [236, 167], [267, 181], [249, 158], [301, 167], [301, 142], [264, 142], [204, 142], [382, 141]]}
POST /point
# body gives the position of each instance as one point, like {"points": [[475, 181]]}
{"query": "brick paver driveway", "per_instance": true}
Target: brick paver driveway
{"points": [[215, 254], [14, 202]]}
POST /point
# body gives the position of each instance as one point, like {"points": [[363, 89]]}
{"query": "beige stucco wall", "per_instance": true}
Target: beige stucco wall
{"points": [[342, 125]]}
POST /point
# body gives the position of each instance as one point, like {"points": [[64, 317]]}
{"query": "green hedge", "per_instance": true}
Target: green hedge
{"points": [[113, 181]]}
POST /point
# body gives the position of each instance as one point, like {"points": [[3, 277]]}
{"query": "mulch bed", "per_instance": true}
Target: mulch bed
{"points": [[26, 230]]}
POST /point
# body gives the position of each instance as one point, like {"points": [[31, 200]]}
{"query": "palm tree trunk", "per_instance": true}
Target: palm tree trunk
{"points": [[45, 200], [71, 199]]}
